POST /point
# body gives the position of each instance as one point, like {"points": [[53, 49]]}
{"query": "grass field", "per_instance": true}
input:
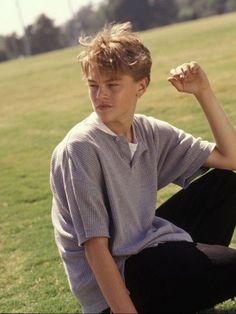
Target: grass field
{"points": [[41, 98]]}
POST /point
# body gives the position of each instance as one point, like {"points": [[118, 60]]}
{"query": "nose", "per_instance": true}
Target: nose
{"points": [[101, 93]]}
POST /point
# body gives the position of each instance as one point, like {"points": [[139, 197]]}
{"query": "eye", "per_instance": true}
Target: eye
{"points": [[92, 85], [113, 84]]}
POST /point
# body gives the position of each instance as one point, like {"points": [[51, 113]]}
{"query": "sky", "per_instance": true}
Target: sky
{"points": [[58, 10]]}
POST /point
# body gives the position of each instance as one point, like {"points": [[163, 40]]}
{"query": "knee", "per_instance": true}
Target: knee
{"points": [[220, 179], [225, 175]]}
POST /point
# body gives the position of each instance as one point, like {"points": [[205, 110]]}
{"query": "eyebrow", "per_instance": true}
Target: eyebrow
{"points": [[107, 81]]}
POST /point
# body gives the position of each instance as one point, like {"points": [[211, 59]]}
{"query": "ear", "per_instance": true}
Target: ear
{"points": [[142, 86]]}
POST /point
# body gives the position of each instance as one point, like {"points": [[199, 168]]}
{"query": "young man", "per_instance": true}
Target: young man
{"points": [[119, 254]]}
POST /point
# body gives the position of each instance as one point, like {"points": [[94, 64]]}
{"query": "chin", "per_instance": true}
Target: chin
{"points": [[106, 120], [105, 116]]}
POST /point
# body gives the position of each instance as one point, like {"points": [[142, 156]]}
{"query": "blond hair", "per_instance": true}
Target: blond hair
{"points": [[116, 49]]}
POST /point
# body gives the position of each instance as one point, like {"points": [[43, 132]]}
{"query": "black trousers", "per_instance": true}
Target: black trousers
{"points": [[183, 277]]}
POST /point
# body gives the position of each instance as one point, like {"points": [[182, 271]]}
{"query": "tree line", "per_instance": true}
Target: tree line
{"points": [[43, 35]]}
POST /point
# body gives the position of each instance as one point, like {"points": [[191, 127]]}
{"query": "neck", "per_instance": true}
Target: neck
{"points": [[121, 129]]}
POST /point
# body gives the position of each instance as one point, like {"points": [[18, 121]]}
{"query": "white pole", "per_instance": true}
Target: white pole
{"points": [[72, 13], [26, 37]]}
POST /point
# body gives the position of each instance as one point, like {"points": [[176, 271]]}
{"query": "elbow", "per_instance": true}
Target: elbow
{"points": [[233, 167], [232, 164], [221, 160], [229, 166]]}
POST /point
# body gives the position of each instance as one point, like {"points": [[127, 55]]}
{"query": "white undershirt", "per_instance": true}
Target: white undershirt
{"points": [[95, 120]]}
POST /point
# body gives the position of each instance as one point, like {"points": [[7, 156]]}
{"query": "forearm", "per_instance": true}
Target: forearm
{"points": [[222, 129], [190, 78], [110, 280]]}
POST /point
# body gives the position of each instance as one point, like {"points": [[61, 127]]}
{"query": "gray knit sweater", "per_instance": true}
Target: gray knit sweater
{"points": [[98, 190]]}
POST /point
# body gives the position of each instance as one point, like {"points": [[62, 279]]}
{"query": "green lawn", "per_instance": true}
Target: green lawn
{"points": [[41, 99]]}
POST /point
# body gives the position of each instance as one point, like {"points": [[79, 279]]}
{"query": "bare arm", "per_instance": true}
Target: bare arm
{"points": [[224, 156], [190, 78], [108, 276]]}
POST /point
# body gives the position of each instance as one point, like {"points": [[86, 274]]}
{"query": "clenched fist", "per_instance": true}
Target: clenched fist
{"points": [[189, 78]]}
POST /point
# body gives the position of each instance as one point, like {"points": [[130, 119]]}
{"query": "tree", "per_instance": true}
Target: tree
{"points": [[185, 10], [163, 12], [87, 20], [43, 35], [216, 6], [3, 55], [192, 9], [14, 46], [143, 14], [138, 12], [231, 5]]}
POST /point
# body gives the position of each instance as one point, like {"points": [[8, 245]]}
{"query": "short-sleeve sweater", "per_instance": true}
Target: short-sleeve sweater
{"points": [[99, 190]]}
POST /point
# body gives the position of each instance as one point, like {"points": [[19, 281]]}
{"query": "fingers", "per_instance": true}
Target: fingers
{"points": [[177, 83], [184, 71], [184, 76]]}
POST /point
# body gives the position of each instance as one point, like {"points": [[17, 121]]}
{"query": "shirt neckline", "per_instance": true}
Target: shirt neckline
{"points": [[97, 122]]}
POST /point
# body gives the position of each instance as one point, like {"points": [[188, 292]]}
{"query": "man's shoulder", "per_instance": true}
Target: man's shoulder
{"points": [[142, 120], [79, 136], [82, 132], [149, 122]]}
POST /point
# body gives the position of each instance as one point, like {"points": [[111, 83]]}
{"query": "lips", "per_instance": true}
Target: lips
{"points": [[103, 106]]}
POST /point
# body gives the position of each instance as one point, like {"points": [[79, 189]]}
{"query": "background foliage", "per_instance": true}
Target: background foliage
{"points": [[43, 35]]}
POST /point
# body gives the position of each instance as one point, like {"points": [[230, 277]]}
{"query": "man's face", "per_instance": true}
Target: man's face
{"points": [[113, 97]]}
